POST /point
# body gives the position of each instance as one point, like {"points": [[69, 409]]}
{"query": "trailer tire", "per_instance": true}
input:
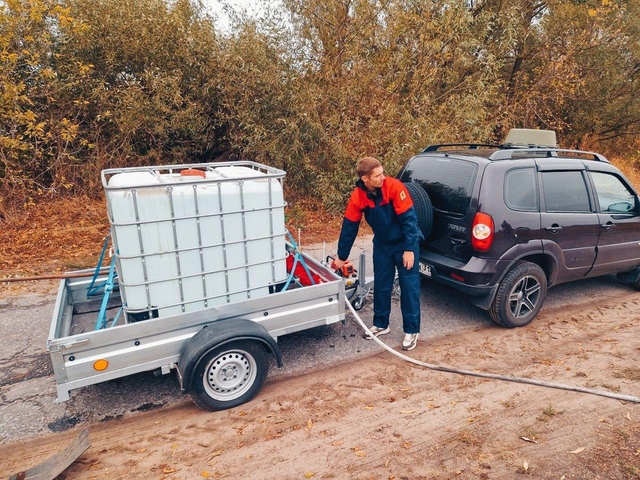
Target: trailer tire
{"points": [[358, 303], [229, 375]]}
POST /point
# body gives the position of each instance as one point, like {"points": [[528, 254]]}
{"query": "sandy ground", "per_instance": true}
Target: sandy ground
{"points": [[383, 418]]}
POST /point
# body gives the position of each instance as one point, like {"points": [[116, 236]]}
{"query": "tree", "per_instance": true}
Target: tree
{"points": [[36, 136]]}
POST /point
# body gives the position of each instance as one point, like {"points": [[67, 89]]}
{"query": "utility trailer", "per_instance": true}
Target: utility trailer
{"points": [[203, 281]]}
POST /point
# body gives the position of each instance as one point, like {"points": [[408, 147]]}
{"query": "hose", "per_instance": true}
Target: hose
{"points": [[60, 276], [442, 368]]}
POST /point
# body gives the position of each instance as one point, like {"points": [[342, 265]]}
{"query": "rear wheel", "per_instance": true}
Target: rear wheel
{"points": [[230, 375], [423, 207], [520, 295]]}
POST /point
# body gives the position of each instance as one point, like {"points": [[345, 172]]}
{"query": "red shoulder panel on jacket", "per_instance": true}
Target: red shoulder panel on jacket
{"points": [[398, 195]]}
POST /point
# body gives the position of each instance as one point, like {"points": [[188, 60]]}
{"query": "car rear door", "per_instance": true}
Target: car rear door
{"points": [[570, 225]]}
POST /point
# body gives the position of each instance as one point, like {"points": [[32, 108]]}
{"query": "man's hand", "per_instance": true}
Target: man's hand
{"points": [[337, 264], [407, 260]]}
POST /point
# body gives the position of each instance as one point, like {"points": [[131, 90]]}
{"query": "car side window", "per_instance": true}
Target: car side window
{"points": [[565, 191], [520, 192], [613, 194]]}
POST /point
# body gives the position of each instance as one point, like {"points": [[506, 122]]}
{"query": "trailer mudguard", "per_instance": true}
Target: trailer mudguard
{"points": [[216, 334]]}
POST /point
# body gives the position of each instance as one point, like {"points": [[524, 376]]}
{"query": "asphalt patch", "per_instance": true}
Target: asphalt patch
{"points": [[64, 423]]}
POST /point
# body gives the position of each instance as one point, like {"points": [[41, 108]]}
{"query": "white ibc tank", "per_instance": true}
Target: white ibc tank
{"points": [[188, 242]]}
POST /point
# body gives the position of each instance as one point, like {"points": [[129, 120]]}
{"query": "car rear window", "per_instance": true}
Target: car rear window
{"points": [[520, 190], [448, 181]]}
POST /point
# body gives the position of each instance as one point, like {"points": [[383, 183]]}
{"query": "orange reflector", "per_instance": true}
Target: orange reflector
{"points": [[455, 276], [100, 365], [192, 172]]}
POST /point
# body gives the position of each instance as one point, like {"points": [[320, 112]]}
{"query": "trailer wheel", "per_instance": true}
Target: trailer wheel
{"points": [[230, 375], [358, 303]]}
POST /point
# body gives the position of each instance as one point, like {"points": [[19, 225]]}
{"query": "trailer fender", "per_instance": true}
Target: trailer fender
{"points": [[216, 334]]}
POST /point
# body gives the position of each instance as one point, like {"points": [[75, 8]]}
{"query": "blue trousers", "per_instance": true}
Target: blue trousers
{"points": [[385, 264]]}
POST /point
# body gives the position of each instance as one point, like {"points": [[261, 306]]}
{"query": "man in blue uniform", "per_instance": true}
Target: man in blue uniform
{"points": [[388, 209]]}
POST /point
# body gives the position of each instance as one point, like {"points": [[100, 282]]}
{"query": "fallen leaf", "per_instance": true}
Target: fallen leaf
{"points": [[578, 450], [407, 412], [142, 450], [217, 453], [309, 424], [205, 474], [528, 440], [359, 452], [525, 465], [337, 443], [369, 407], [628, 416], [168, 470], [308, 475]]}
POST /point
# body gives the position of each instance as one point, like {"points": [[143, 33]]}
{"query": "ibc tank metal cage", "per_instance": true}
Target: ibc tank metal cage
{"points": [[189, 237]]}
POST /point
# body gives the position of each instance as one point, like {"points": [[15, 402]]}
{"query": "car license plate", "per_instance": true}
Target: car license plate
{"points": [[425, 269]]}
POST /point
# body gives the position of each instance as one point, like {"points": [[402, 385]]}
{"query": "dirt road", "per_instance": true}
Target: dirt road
{"points": [[382, 418]]}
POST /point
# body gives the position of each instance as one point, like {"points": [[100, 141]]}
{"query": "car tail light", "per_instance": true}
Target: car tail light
{"points": [[482, 232]]}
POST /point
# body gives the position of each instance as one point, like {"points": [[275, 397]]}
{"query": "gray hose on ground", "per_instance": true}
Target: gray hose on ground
{"points": [[540, 383]]}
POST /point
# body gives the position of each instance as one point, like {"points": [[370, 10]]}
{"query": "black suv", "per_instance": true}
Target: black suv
{"points": [[502, 223]]}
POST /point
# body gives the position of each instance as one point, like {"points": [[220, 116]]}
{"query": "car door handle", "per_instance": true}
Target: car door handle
{"points": [[607, 226], [555, 228]]}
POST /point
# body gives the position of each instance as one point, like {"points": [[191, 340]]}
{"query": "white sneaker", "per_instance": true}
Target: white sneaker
{"points": [[410, 341], [377, 331]]}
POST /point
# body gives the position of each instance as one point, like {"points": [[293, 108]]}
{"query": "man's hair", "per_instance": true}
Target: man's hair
{"points": [[366, 165]]}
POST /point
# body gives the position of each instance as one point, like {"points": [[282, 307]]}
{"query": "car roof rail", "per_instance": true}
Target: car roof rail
{"points": [[510, 153], [470, 146]]}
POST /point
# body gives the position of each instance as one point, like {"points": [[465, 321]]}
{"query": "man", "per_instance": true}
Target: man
{"points": [[388, 209]]}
